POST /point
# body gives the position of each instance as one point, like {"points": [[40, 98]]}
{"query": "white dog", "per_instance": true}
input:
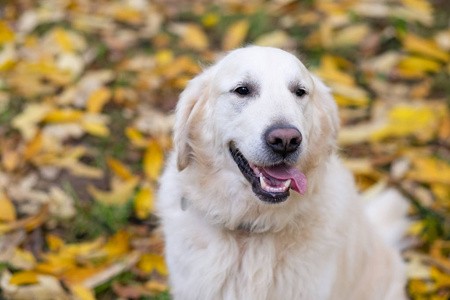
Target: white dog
{"points": [[255, 203]]}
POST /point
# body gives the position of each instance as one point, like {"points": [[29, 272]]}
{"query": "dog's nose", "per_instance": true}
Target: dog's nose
{"points": [[283, 140]]}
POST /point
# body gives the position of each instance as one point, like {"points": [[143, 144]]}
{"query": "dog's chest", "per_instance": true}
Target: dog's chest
{"points": [[260, 267]]}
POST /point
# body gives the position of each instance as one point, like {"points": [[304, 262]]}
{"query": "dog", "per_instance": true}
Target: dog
{"points": [[254, 201]]}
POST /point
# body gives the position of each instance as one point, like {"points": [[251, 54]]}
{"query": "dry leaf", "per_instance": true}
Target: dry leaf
{"points": [[97, 100], [143, 203], [150, 262], [82, 292], [427, 47], [351, 35], [118, 168], [7, 208], [153, 160], [24, 277], [429, 170], [120, 193], [330, 72], [235, 35], [191, 35]]}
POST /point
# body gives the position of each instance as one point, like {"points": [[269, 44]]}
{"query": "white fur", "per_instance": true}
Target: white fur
{"points": [[319, 245]]}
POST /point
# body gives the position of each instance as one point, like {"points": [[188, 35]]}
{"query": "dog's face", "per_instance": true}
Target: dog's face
{"points": [[259, 114]]}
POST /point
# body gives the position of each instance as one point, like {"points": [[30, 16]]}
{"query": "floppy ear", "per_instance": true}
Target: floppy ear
{"points": [[187, 108], [327, 110]]}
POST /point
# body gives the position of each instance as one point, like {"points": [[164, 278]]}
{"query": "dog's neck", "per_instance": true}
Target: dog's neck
{"points": [[248, 227]]}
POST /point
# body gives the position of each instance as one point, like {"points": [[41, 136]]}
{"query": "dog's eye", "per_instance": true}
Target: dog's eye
{"points": [[242, 90], [300, 92]]}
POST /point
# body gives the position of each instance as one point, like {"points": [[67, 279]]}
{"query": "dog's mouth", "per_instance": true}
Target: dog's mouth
{"points": [[270, 183]]}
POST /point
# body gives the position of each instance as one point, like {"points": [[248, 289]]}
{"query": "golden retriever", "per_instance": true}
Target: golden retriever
{"points": [[254, 201]]}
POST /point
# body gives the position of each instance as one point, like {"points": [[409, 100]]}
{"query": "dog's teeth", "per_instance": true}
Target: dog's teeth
{"points": [[263, 183], [287, 184]]}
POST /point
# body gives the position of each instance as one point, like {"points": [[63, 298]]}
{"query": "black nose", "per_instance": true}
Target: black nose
{"points": [[283, 140]]}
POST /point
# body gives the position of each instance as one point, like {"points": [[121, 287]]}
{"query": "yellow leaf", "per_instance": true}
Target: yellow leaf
{"points": [[427, 47], [210, 20], [121, 192], [277, 38], [6, 33], [24, 277], [164, 57], [63, 115], [415, 62], [23, 259], [235, 35], [54, 242], [118, 245], [95, 128], [192, 36], [419, 6], [351, 35], [28, 223], [98, 99], [136, 137], [8, 56], [421, 121], [441, 279], [7, 209], [150, 262], [155, 286], [153, 160], [430, 170], [349, 95], [143, 203], [330, 72], [82, 292], [10, 159], [442, 194], [118, 168], [26, 122], [418, 287], [63, 40], [34, 146]]}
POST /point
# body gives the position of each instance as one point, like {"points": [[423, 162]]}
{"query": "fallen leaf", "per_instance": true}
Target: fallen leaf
{"points": [[330, 72], [98, 99], [28, 223], [429, 170], [63, 115], [6, 33], [427, 47], [26, 122], [118, 168], [150, 262], [24, 277], [54, 242], [192, 36], [235, 35], [153, 160], [351, 35], [419, 120], [120, 193], [7, 208], [277, 38], [143, 203], [82, 292]]}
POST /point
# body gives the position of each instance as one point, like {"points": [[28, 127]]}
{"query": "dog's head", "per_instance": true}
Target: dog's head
{"points": [[257, 115]]}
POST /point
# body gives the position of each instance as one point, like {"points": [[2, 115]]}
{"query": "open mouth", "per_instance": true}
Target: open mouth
{"points": [[270, 183]]}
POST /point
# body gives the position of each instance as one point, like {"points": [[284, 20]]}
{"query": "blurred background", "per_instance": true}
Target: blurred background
{"points": [[87, 90]]}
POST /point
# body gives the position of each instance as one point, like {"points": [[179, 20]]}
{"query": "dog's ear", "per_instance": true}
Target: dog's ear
{"points": [[187, 108], [327, 110]]}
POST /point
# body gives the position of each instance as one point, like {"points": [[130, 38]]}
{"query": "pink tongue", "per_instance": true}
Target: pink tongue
{"points": [[285, 172]]}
